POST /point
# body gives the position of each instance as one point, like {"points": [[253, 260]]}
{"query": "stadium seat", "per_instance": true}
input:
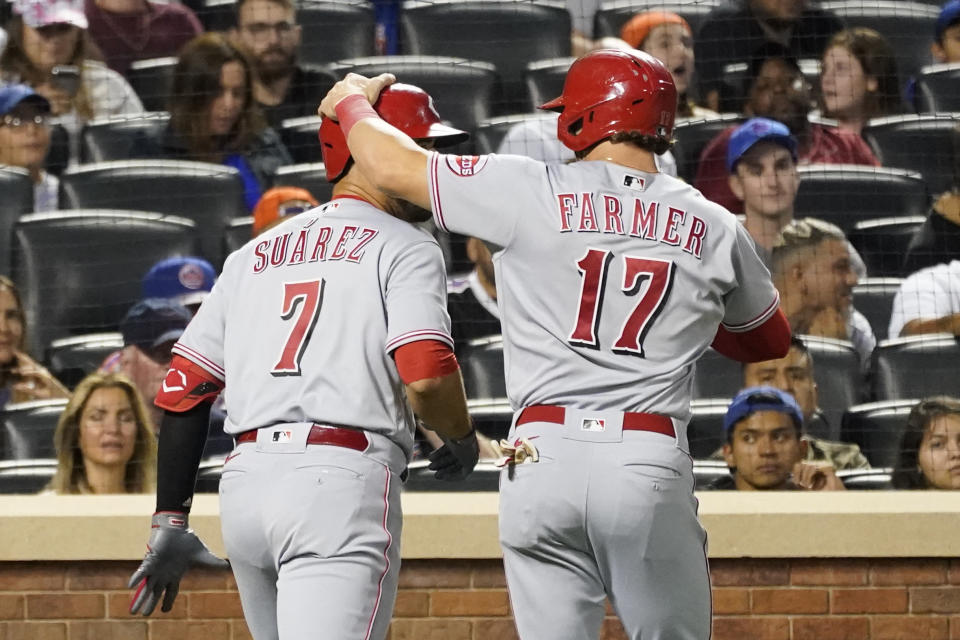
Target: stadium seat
{"points": [[28, 429], [873, 297], [106, 139], [883, 242], [938, 89], [839, 378], [238, 233], [72, 359], [545, 80], [462, 90], [916, 367], [208, 194], [300, 136], [334, 30], [79, 271], [310, 176], [485, 477], [706, 472], [492, 418], [152, 79], [845, 194], [692, 135], [215, 15], [490, 133], [877, 428], [920, 143], [506, 33], [58, 155], [866, 479], [611, 16], [26, 476], [907, 26], [208, 475], [481, 362], [705, 431], [716, 376], [16, 199]]}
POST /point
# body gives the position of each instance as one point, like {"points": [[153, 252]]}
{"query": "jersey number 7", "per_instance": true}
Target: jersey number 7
{"points": [[593, 268], [305, 297]]}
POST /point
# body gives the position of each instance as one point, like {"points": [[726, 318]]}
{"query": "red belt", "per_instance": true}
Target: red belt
{"points": [[336, 436], [631, 421]]}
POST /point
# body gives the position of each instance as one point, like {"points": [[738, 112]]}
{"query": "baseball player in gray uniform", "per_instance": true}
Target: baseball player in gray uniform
{"points": [[612, 280], [329, 332]]}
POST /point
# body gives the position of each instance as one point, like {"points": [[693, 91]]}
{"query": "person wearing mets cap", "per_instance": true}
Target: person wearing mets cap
{"points": [[612, 280], [332, 334]]}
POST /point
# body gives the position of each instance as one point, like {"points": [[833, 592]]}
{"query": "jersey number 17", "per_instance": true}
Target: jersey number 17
{"points": [[593, 268]]}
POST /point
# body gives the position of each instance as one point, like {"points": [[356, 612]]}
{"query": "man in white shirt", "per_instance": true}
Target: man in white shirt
{"points": [[928, 302]]}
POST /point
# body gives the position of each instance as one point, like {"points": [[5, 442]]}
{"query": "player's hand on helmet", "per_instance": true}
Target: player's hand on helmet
{"points": [[173, 548], [354, 84], [456, 459]]}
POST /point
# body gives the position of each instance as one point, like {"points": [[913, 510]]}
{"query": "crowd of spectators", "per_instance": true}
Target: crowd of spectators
{"points": [[803, 83]]}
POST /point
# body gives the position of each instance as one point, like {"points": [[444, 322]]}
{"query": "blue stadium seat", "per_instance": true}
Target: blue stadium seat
{"points": [[111, 138], [28, 427], [152, 79], [310, 176], [693, 135], [16, 199], [72, 359], [916, 367], [545, 80], [26, 476], [873, 297], [877, 428], [883, 242], [938, 88]]}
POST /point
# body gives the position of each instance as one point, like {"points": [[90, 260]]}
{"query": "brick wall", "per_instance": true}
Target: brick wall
{"points": [[913, 599]]}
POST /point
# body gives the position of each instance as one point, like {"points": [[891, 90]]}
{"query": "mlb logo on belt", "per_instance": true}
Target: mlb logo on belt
{"points": [[282, 436], [593, 424]]}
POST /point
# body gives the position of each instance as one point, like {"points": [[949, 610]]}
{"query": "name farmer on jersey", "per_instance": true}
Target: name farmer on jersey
{"points": [[634, 217]]}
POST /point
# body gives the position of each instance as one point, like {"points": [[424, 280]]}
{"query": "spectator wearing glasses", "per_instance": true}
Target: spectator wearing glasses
{"points": [[50, 49], [131, 30], [764, 449], [25, 140], [930, 448], [778, 91], [268, 29], [278, 204]]}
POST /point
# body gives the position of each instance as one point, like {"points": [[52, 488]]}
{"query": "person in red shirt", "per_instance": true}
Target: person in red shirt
{"points": [[779, 92], [129, 30]]}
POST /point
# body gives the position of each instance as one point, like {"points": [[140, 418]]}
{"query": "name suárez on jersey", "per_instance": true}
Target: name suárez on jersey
{"points": [[312, 244], [641, 220]]}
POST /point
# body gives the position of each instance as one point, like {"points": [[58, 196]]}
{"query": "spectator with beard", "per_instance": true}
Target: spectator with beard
{"points": [[731, 33], [130, 30], [283, 89], [779, 91]]}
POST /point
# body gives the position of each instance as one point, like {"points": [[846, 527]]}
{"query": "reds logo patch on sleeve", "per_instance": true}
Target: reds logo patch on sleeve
{"points": [[466, 166]]}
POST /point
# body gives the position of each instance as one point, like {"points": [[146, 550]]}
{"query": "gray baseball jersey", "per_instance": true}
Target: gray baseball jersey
{"points": [[301, 326], [302, 322], [611, 284], [608, 276]]}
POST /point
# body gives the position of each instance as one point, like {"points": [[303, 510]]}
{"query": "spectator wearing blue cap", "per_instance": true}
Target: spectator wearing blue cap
{"points": [[186, 280], [150, 329], [764, 450], [25, 140], [762, 162], [946, 45]]}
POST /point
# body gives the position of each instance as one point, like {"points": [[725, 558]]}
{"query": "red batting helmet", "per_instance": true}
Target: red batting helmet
{"points": [[406, 107], [610, 90]]}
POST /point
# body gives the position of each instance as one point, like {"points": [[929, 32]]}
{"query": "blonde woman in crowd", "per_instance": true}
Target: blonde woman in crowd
{"points": [[104, 440]]}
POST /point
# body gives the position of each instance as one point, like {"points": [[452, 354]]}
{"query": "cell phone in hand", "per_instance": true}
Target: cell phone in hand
{"points": [[65, 78]]}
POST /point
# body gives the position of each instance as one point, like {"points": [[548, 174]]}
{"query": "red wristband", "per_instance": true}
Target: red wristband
{"points": [[352, 110]]}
